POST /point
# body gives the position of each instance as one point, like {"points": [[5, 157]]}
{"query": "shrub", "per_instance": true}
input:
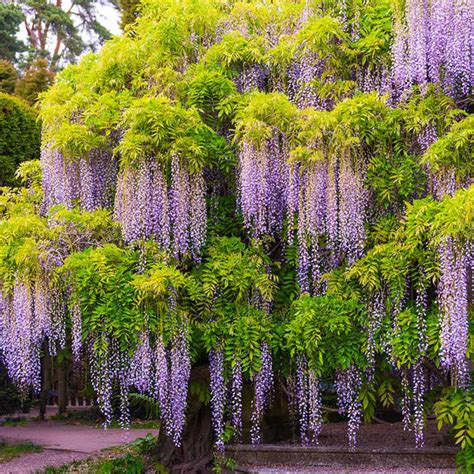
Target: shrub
{"points": [[37, 78], [19, 136], [8, 77]]}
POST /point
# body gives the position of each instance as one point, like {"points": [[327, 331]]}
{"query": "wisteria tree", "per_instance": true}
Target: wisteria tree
{"points": [[240, 199]]}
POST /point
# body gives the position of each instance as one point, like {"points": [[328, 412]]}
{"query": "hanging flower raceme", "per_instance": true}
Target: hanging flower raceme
{"points": [[419, 376], [236, 399], [376, 312], [263, 181], [174, 215], [352, 204], [304, 69], [252, 77], [308, 403], [31, 314], [218, 393], [162, 381], [142, 204], [263, 389], [452, 299], [88, 181], [76, 331], [331, 218], [312, 218], [432, 43], [104, 360], [141, 365], [20, 338], [348, 384], [180, 371]]}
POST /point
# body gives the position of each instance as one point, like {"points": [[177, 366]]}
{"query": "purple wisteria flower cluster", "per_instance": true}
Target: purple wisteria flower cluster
{"points": [[162, 372], [263, 177], [89, 181], [28, 316], [331, 209], [308, 403], [228, 397], [433, 43], [452, 298], [174, 215], [348, 383], [263, 390], [218, 396]]}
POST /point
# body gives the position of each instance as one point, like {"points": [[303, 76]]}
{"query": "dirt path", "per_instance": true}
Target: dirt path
{"points": [[62, 443]]}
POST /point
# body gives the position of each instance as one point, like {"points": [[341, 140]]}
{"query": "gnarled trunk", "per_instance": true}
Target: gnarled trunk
{"points": [[195, 453]]}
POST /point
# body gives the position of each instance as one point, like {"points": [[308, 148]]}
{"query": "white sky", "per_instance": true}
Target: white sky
{"points": [[109, 17]]}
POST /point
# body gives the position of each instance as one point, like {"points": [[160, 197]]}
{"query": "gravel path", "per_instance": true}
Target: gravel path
{"points": [[62, 443]]}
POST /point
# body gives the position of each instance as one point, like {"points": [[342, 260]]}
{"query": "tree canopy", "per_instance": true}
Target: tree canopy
{"points": [[280, 191]]}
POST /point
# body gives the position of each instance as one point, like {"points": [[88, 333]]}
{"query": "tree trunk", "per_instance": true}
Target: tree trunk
{"points": [[195, 453]]}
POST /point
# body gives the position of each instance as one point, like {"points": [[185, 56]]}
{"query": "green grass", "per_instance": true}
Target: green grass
{"points": [[10, 451], [129, 464], [22, 422]]}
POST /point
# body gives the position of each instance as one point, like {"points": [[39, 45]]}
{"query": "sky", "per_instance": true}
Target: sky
{"points": [[110, 18]]}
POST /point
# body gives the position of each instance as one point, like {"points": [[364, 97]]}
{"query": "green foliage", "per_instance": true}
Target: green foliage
{"points": [[405, 341], [372, 48], [213, 95], [234, 51], [396, 180], [328, 331], [147, 407], [221, 292], [128, 12], [8, 77], [10, 451], [11, 17], [368, 398], [19, 136], [36, 79], [101, 279], [129, 463], [158, 127], [261, 113], [10, 399], [454, 150], [456, 409]]}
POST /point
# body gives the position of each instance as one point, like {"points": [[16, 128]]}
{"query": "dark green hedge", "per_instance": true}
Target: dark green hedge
{"points": [[20, 136]]}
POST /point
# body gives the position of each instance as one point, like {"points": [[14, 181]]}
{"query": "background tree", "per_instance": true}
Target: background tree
{"points": [[36, 79], [8, 77], [61, 32], [11, 17]]}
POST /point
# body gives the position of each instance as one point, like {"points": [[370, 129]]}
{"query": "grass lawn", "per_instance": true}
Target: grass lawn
{"points": [[10, 451]]}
